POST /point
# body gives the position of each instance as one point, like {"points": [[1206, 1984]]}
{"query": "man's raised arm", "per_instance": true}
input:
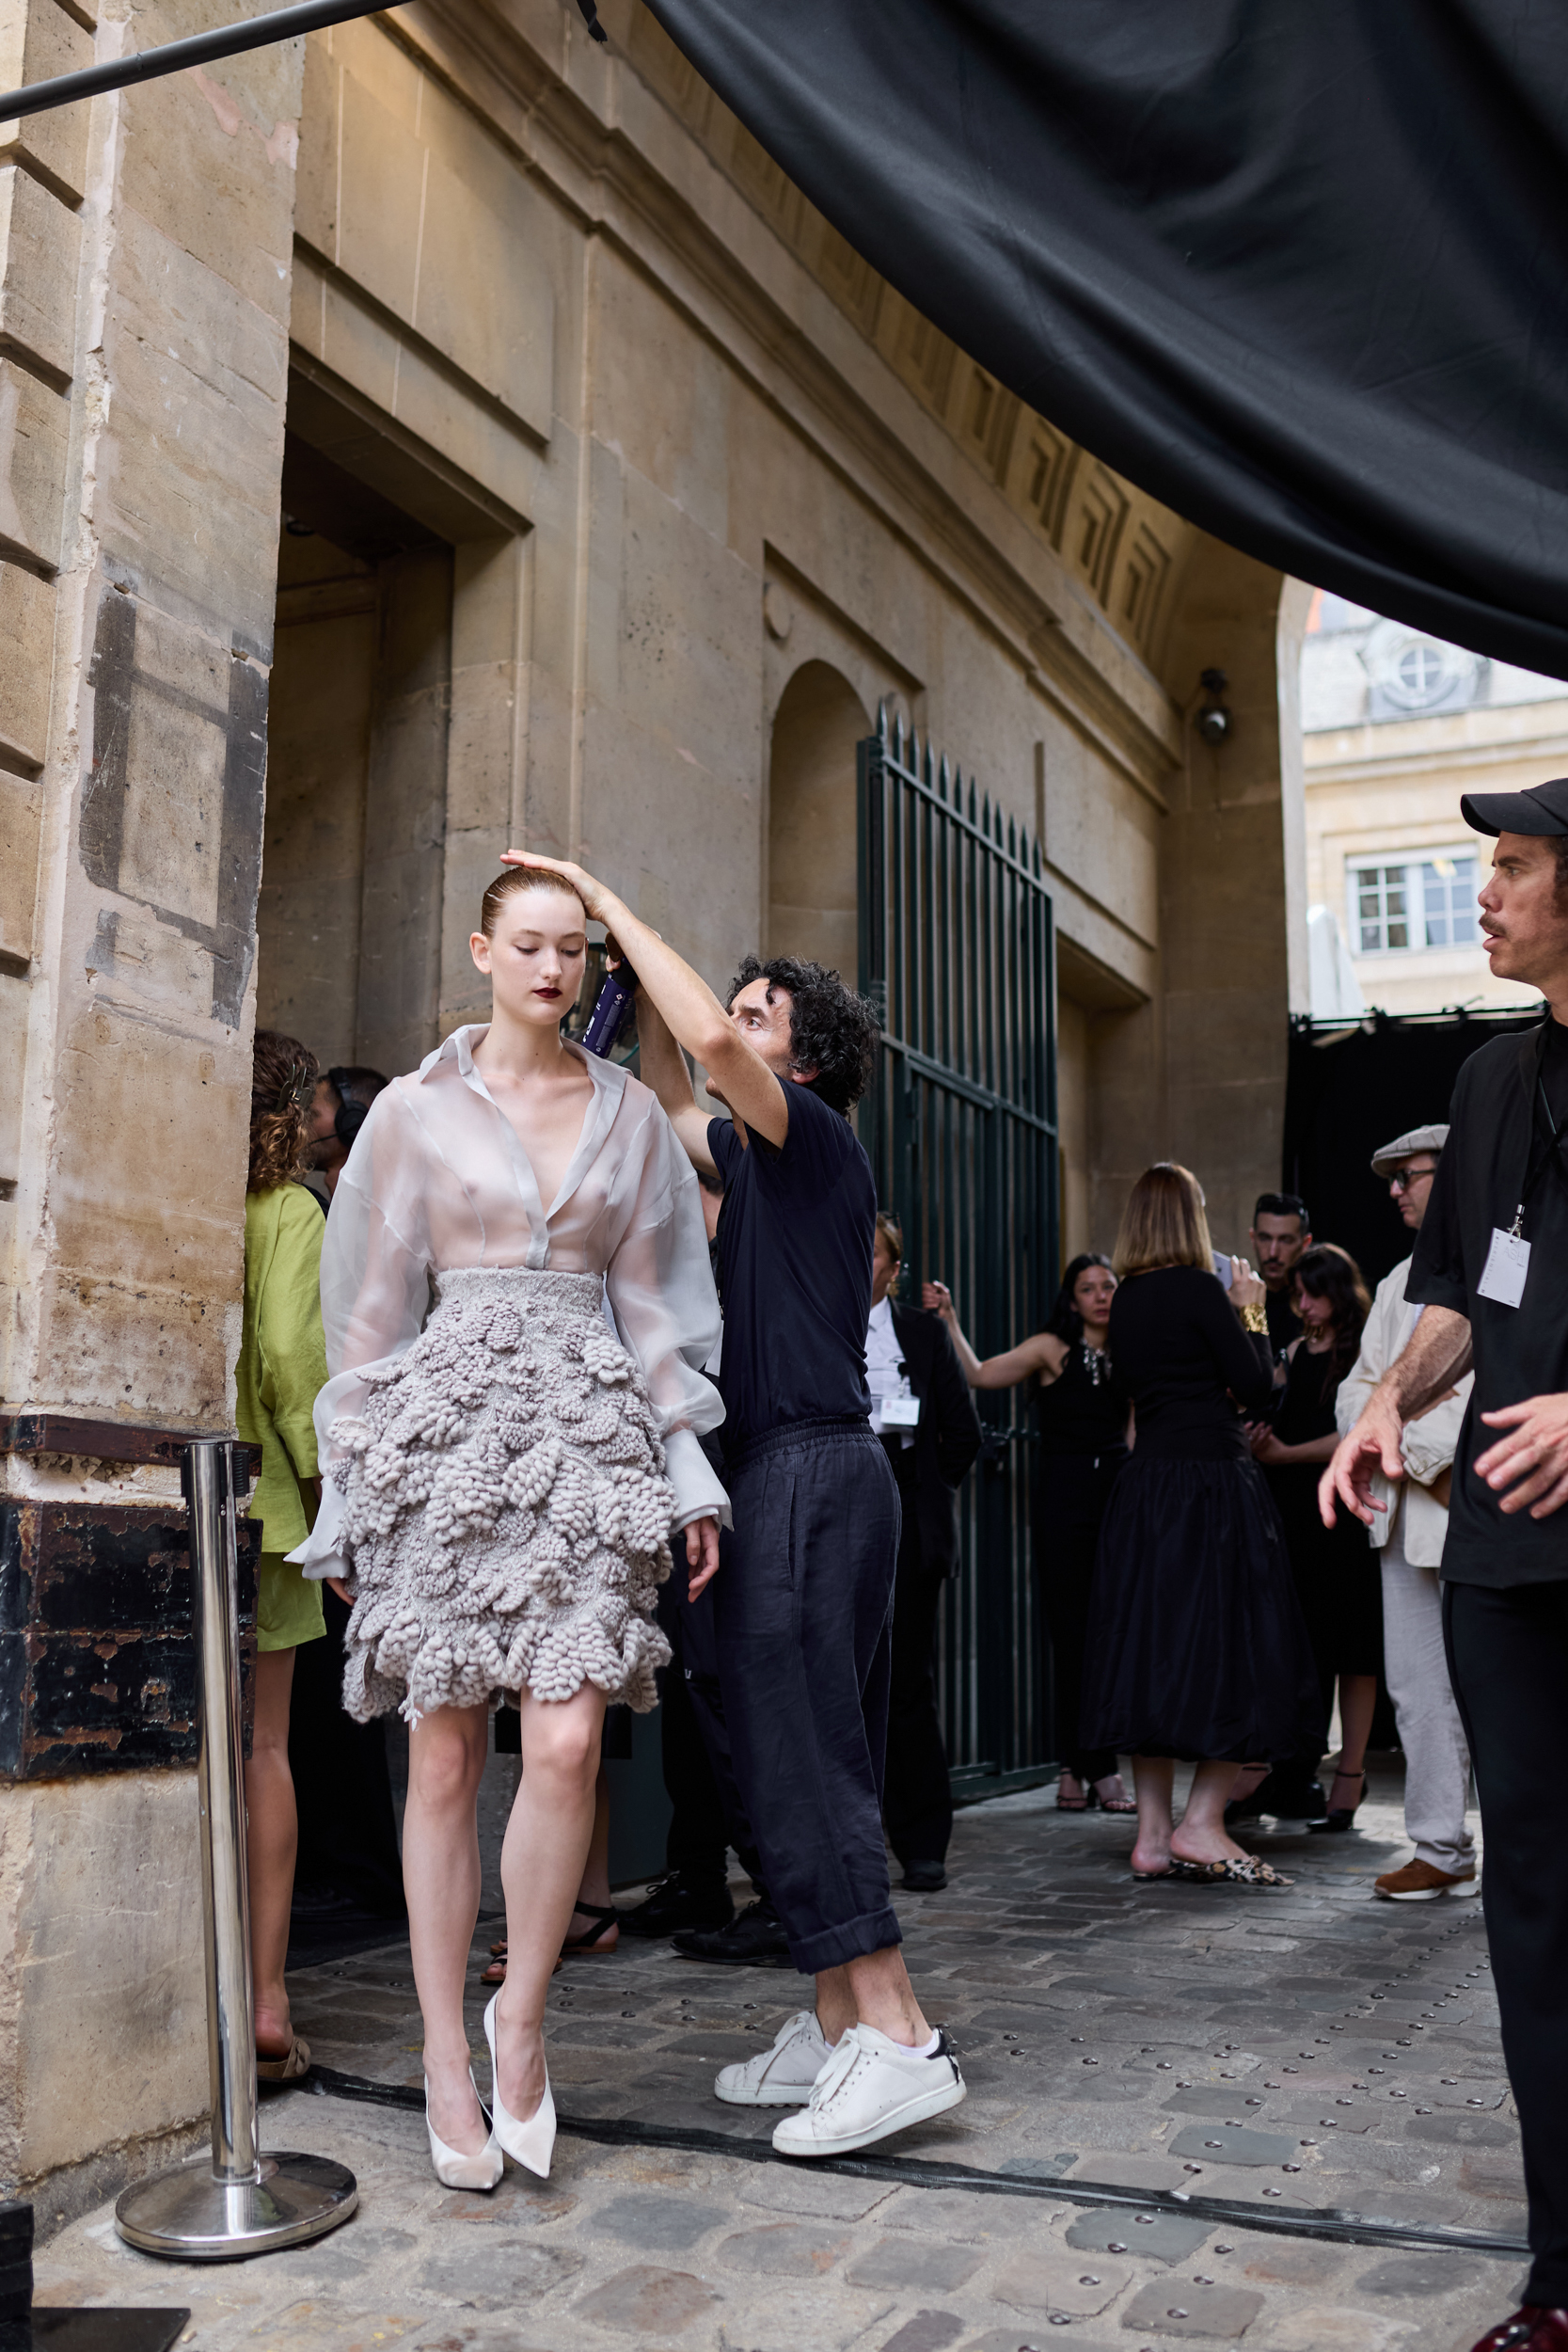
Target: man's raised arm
{"points": [[1438, 1354], [690, 1011]]}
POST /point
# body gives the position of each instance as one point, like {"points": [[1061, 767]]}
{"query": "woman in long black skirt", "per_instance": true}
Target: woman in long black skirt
{"points": [[1196, 1649], [1083, 1415]]}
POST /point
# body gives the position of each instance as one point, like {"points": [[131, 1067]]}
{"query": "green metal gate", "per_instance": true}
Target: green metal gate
{"points": [[957, 952]]}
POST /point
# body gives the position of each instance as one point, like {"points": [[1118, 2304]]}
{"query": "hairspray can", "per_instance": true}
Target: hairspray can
{"points": [[608, 1018]]}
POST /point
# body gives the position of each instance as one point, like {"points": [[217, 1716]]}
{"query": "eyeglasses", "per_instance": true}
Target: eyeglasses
{"points": [[1403, 1178]]}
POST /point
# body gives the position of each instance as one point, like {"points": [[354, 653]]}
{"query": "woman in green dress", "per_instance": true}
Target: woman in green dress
{"points": [[282, 1366]]}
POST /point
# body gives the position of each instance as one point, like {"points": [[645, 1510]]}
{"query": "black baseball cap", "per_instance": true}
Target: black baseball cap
{"points": [[1540, 808]]}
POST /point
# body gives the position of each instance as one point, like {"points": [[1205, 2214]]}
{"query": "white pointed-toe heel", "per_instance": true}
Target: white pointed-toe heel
{"points": [[452, 2168], [531, 2144]]}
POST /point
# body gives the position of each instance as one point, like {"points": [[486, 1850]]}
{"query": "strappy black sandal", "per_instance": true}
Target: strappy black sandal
{"points": [[605, 1917], [1338, 1818]]}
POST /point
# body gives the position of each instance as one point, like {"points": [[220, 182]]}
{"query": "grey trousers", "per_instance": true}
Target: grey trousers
{"points": [[1436, 1756]]}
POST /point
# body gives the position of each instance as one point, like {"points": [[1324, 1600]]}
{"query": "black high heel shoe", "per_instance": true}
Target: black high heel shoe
{"points": [[1340, 1817]]}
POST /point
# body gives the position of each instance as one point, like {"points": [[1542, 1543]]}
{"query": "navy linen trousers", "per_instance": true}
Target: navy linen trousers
{"points": [[803, 1611]]}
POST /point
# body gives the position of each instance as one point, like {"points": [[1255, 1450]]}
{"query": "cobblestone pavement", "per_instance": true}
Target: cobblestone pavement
{"points": [[1295, 2053]]}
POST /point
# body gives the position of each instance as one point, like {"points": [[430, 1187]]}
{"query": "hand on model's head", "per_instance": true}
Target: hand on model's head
{"points": [[591, 892]]}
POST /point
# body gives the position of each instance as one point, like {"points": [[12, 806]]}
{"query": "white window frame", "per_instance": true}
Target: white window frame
{"points": [[1409, 863]]}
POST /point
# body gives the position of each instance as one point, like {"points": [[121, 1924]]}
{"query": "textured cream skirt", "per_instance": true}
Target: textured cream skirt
{"points": [[507, 1512]]}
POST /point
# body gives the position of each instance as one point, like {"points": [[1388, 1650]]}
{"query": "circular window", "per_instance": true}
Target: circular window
{"points": [[1422, 672]]}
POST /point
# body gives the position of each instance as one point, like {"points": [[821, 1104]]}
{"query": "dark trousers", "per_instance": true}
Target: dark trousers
{"points": [[804, 1619], [917, 1795], [1069, 1505], [1507, 1658], [706, 1814], [348, 1835]]}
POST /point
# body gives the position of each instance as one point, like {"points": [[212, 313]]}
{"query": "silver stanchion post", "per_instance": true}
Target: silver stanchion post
{"points": [[237, 2201]]}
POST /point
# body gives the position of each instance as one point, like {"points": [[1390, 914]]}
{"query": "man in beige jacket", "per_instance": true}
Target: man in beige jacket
{"points": [[1410, 1529]]}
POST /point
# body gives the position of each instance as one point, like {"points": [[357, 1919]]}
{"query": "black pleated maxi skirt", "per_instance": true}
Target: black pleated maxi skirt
{"points": [[1197, 1648]]}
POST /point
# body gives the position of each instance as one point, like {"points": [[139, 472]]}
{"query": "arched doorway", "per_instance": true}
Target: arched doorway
{"points": [[812, 905]]}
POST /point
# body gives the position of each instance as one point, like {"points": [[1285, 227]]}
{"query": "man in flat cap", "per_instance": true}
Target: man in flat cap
{"points": [[1490, 1274], [1409, 1533]]}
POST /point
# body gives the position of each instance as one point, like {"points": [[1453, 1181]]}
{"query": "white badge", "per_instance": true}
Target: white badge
{"points": [[900, 1412], [1507, 1264]]}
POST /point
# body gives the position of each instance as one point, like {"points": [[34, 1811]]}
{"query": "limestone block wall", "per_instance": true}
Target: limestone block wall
{"points": [[145, 280]]}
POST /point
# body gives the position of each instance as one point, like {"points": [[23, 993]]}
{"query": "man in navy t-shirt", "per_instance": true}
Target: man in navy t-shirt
{"points": [[805, 1608]]}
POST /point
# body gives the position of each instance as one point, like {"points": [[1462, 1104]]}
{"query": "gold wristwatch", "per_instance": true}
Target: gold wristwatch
{"points": [[1254, 1319]]}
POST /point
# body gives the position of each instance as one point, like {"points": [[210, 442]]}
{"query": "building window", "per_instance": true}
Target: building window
{"points": [[1402, 904]]}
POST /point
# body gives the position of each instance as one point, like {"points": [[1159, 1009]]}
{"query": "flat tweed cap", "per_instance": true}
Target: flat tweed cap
{"points": [[1386, 1160], [1539, 808]]}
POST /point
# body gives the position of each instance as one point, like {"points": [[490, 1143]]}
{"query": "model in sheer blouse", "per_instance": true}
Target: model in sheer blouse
{"points": [[503, 1472]]}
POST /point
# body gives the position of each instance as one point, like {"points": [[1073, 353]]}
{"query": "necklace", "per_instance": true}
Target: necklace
{"points": [[1097, 1363]]}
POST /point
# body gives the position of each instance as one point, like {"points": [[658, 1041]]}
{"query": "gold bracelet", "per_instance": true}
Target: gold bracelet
{"points": [[1254, 1319]]}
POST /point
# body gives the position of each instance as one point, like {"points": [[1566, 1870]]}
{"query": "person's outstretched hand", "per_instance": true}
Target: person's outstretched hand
{"points": [[1535, 1452], [701, 1556], [936, 1299], [1373, 1445]]}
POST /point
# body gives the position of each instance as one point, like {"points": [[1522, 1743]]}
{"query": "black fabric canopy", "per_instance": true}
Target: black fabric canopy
{"points": [[1297, 267]]}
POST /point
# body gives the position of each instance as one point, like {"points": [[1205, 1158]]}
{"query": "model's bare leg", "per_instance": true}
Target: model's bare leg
{"points": [[441, 1878], [1152, 1779], [876, 1991], [271, 1841], [1202, 1835], [546, 1845]]}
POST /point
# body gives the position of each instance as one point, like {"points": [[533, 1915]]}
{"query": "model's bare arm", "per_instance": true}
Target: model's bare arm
{"points": [[689, 1006], [662, 1066], [1437, 1356]]}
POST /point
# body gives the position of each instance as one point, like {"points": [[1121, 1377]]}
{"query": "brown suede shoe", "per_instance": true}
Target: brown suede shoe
{"points": [[1530, 2330], [1422, 1883]]}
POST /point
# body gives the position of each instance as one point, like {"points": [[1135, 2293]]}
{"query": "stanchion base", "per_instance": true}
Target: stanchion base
{"points": [[187, 2214]]}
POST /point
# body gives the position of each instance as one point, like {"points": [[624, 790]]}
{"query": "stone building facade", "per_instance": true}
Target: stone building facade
{"points": [[443, 434]]}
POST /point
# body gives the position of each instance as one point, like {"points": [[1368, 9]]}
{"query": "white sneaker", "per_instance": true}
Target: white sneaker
{"points": [[871, 2087], [782, 2076]]}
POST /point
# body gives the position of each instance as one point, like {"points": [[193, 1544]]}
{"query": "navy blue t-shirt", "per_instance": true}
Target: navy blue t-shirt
{"points": [[795, 1241]]}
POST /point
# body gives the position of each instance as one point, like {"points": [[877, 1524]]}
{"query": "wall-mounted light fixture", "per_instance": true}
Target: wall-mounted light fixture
{"points": [[1214, 719]]}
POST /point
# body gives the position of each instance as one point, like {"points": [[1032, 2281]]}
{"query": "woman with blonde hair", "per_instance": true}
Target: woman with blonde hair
{"points": [[1197, 1650], [506, 1468]]}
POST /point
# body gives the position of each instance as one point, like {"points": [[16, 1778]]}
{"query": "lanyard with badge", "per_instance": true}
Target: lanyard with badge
{"points": [[1508, 1260]]}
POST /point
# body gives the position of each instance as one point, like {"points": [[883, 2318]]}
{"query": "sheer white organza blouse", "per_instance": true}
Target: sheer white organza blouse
{"points": [[437, 1179]]}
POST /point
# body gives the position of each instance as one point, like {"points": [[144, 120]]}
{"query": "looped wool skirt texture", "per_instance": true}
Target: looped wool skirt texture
{"points": [[507, 1511]]}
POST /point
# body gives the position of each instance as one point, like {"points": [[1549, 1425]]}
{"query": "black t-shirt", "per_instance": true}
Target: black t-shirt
{"points": [[795, 1241], [1285, 1325], [1180, 1352], [1496, 1124]]}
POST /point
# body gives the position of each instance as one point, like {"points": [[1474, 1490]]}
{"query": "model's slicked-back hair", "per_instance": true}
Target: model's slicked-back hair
{"points": [[831, 1030], [508, 884]]}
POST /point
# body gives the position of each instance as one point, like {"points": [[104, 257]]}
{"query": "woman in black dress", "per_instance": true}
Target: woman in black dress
{"points": [[1336, 1569], [1083, 1411], [1197, 1648]]}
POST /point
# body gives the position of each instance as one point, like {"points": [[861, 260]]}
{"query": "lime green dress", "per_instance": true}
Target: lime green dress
{"points": [[282, 1367]]}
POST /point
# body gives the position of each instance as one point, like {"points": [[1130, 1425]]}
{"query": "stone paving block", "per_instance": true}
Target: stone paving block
{"points": [[1021, 2339], [825, 2196], [783, 2250], [1329, 2327], [1452, 2130], [927, 2332], [1114, 2169], [973, 2218], [494, 2277], [661, 2224], [1218, 2143], [1290, 2261], [898, 2263], [1437, 2273], [1168, 2238], [1078, 2285], [312, 2326], [647, 2302], [1169, 2307]]}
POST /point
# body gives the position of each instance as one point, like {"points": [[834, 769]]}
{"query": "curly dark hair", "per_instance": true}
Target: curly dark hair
{"points": [[283, 1074], [1065, 1319], [1326, 1271], [831, 1030]]}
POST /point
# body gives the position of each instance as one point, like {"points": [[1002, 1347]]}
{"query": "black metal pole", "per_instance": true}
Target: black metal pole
{"points": [[228, 41]]}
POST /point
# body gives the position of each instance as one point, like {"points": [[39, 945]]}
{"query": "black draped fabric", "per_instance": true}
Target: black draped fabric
{"points": [[1297, 267]]}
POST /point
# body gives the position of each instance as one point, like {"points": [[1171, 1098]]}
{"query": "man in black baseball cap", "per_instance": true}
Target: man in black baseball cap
{"points": [[1490, 1273]]}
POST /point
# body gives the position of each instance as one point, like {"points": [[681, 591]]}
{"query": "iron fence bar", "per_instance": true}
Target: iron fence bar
{"points": [[951, 1083], [966, 824], [176, 56]]}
